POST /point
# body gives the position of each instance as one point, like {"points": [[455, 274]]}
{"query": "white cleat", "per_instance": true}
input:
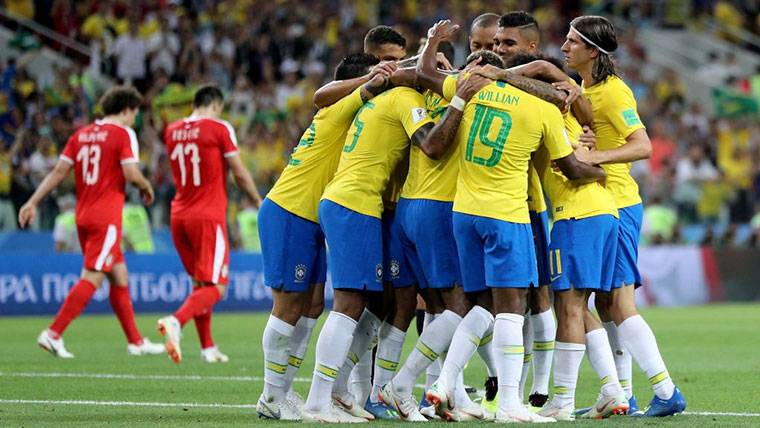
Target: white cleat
{"points": [[438, 397], [347, 404], [521, 415], [268, 409], [171, 330], [406, 406], [331, 415], [212, 355], [54, 346], [146, 348], [468, 413], [551, 410], [429, 412], [606, 406], [292, 408]]}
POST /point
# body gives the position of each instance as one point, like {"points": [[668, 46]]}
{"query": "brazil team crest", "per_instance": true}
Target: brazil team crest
{"points": [[300, 273]]}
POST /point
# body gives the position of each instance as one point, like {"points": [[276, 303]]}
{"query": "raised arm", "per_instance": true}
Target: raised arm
{"points": [[28, 211], [332, 92], [434, 141], [243, 179], [637, 147], [133, 175], [428, 75]]}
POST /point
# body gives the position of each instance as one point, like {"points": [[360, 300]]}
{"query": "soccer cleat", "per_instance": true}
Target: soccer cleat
{"points": [[521, 414], [145, 348], [54, 346], [171, 330], [492, 387], [212, 355], [470, 412], [538, 400], [557, 413], [268, 408], [490, 406], [379, 410], [437, 397], [633, 405], [606, 406], [292, 407], [346, 403], [659, 407], [406, 406], [429, 413], [332, 415]]}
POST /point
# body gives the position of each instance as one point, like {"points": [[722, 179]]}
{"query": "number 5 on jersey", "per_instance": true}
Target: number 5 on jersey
{"points": [[191, 151]]}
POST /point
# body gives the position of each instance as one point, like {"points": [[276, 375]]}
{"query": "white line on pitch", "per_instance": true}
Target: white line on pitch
{"points": [[752, 415], [130, 404]]}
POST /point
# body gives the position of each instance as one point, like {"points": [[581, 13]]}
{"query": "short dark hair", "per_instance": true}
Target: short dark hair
{"points": [[486, 57], [485, 20], [602, 33], [120, 98], [383, 34], [447, 49], [355, 65], [518, 18], [206, 95]]}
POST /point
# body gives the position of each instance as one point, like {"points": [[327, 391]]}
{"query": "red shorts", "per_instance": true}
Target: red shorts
{"points": [[204, 249], [101, 246]]}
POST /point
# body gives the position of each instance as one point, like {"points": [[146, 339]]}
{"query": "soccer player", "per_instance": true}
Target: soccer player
{"points": [[502, 126], [293, 245], [201, 148], [104, 156], [482, 31], [621, 139]]}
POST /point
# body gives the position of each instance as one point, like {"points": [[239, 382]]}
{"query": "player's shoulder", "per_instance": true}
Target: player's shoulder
{"points": [[616, 84], [115, 130]]}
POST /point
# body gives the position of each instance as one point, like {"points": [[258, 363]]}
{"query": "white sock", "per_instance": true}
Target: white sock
{"points": [[461, 397], [332, 347], [485, 352], [600, 356], [463, 345], [544, 330], [435, 339], [527, 357], [509, 353], [434, 369], [567, 363], [360, 382], [390, 342], [276, 344], [622, 359], [299, 342], [366, 329], [639, 339]]}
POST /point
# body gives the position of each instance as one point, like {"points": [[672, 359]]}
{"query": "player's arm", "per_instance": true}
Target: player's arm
{"points": [[133, 175], [243, 179], [542, 90], [578, 171], [28, 211], [428, 75], [332, 92], [434, 141], [404, 77], [636, 147]]}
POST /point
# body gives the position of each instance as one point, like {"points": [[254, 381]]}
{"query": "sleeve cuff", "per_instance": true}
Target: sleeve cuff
{"points": [[67, 159], [129, 160], [231, 154]]}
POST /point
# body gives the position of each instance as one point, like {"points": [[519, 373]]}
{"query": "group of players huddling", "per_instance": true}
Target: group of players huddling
{"points": [[420, 180]]}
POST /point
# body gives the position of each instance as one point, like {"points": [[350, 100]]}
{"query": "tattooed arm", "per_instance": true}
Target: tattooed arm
{"points": [[428, 76], [542, 90]]}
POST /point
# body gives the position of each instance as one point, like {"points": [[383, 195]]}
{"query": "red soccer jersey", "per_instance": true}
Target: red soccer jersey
{"points": [[197, 147], [97, 152]]}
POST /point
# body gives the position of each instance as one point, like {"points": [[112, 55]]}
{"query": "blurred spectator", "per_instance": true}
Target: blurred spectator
{"points": [[7, 212], [663, 147], [136, 226], [163, 48], [65, 229], [130, 52], [247, 222], [691, 174], [659, 223]]}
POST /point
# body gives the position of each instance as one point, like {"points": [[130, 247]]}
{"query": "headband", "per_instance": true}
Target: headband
{"points": [[587, 40]]}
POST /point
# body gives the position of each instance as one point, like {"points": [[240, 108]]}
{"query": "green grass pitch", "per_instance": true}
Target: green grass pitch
{"points": [[712, 352]]}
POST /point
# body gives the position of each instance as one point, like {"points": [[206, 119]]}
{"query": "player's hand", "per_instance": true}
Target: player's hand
{"points": [[584, 155], [587, 139], [467, 87], [147, 195], [378, 83], [489, 72], [443, 62], [442, 30], [385, 68], [26, 214], [573, 92]]}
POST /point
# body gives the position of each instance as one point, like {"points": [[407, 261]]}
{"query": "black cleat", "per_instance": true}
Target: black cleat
{"points": [[538, 400], [492, 387]]}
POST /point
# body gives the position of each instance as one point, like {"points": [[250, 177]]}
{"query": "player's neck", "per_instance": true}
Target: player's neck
{"points": [[204, 112], [114, 118], [587, 74]]}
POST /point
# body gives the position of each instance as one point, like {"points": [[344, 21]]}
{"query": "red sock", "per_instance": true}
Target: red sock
{"points": [[203, 325], [78, 298], [199, 301], [122, 307]]}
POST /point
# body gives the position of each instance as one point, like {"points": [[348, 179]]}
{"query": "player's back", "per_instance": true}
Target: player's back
{"points": [[97, 152], [197, 147]]}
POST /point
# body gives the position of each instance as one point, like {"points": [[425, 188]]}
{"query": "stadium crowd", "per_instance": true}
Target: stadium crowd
{"points": [[270, 57]]}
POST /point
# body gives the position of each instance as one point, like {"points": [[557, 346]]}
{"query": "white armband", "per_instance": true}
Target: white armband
{"points": [[457, 103]]}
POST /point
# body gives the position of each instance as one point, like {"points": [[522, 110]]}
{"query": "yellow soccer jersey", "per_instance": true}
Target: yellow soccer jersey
{"points": [[501, 127], [315, 159], [536, 200], [568, 199], [615, 118], [377, 140], [428, 178]]}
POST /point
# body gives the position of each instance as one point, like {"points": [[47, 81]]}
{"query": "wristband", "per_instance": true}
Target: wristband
{"points": [[457, 103]]}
